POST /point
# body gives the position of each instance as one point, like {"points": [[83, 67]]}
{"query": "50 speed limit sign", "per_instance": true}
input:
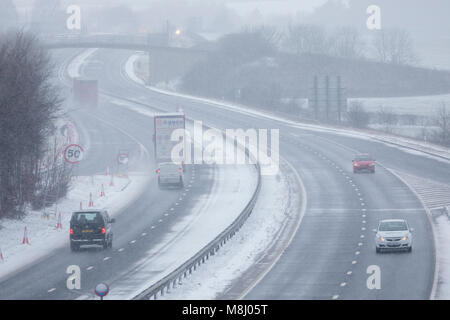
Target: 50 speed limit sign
{"points": [[73, 153]]}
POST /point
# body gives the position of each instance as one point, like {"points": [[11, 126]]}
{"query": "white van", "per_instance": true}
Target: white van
{"points": [[170, 173]]}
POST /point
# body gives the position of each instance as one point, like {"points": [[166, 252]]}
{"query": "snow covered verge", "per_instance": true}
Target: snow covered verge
{"points": [[267, 231], [442, 229]]}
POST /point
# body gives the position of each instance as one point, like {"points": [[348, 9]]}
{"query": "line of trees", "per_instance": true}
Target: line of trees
{"points": [[387, 45], [29, 104]]}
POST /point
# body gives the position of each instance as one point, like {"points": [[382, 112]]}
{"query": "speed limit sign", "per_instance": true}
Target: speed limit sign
{"points": [[73, 153]]}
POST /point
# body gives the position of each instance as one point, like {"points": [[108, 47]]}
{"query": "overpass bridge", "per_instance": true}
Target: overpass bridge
{"points": [[168, 59]]}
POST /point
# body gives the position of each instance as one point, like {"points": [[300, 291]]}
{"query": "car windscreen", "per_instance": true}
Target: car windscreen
{"points": [[363, 158], [81, 218], [393, 226]]}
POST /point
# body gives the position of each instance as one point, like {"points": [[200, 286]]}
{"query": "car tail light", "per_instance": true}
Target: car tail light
{"points": [[71, 231], [158, 171], [103, 230]]}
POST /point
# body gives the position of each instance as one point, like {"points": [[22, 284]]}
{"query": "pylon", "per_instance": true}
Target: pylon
{"points": [[107, 171], [81, 205], [59, 223], [25, 236], [102, 193], [111, 183], [1, 256], [91, 202]]}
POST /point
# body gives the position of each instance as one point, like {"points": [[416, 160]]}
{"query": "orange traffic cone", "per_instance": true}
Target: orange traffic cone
{"points": [[25, 237], [111, 183], [59, 223], [102, 193], [91, 202]]}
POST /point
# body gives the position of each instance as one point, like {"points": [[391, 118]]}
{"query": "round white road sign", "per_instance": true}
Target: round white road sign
{"points": [[73, 153]]}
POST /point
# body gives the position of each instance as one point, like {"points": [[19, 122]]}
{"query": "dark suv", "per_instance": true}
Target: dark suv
{"points": [[90, 227]]}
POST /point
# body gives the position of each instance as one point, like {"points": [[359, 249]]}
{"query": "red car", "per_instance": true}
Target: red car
{"points": [[363, 162]]}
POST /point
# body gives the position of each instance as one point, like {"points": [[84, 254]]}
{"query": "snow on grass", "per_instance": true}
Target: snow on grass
{"points": [[442, 227], [42, 232], [243, 250]]}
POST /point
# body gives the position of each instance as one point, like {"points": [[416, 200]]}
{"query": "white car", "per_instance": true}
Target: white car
{"points": [[393, 234], [170, 173]]}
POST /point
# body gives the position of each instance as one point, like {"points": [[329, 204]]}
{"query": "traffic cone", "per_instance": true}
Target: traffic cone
{"points": [[102, 193], [59, 223], [107, 171], [111, 183], [1, 256], [91, 202], [81, 205], [25, 237]]}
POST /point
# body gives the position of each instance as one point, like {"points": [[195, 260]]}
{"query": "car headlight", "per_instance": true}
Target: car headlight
{"points": [[404, 238]]}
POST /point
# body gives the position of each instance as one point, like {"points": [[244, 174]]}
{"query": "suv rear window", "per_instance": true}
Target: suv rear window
{"points": [[87, 217]]}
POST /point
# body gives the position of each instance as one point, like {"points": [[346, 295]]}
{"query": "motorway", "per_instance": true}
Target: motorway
{"points": [[329, 255], [330, 252]]}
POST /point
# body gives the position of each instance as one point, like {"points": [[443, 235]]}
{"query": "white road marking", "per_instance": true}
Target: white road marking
{"points": [[132, 241], [121, 249], [90, 268], [335, 297], [51, 290], [106, 258], [144, 234]]}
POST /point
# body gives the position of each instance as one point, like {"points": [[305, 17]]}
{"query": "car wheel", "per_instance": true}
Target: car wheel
{"points": [[410, 249], [378, 250], [105, 244]]}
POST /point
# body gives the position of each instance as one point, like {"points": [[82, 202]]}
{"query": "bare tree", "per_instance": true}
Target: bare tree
{"points": [[394, 46], [307, 38], [28, 106], [346, 42], [443, 124], [357, 117], [387, 118]]}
